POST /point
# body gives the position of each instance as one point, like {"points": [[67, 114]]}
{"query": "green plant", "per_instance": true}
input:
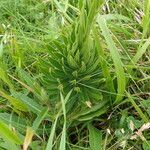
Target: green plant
{"points": [[74, 74], [73, 63]]}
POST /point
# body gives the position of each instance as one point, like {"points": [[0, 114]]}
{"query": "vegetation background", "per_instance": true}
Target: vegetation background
{"points": [[74, 74]]}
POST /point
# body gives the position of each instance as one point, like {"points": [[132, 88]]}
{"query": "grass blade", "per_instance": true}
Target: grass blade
{"points": [[141, 51], [51, 137], [116, 58], [105, 68], [63, 137], [62, 145], [137, 108]]}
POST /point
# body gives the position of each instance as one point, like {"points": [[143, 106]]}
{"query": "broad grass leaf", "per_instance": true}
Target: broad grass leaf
{"points": [[94, 111], [15, 102], [7, 133], [87, 111], [95, 138], [92, 115], [30, 103], [7, 145], [14, 120], [116, 17]]}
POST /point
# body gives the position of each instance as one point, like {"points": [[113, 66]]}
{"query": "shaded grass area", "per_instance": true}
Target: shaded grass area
{"points": [[74, 74]]}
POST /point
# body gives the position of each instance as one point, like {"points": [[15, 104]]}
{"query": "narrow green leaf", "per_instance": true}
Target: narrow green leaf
{"points": [[141, 51], [53, 128], [145, 19], [103, 62], [137, 108], [49, 145], [116, 58], [62, 145]]}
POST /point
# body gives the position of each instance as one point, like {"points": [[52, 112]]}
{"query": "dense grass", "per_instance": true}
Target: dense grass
{"points": [[74, 74]]}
